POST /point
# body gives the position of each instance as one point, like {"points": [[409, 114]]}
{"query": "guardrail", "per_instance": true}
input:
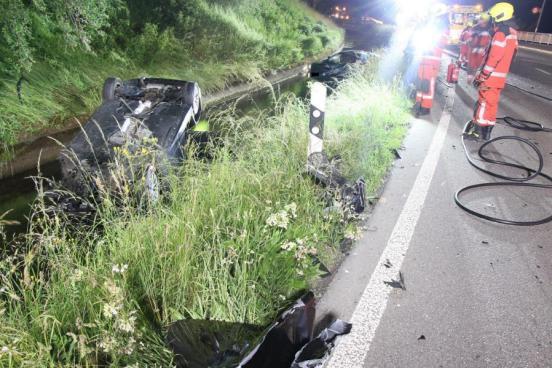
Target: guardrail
{"points": [[541, 38]]}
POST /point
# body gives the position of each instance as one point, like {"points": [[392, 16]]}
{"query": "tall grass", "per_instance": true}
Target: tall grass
{"points": [[212, 42], [232, 241]]}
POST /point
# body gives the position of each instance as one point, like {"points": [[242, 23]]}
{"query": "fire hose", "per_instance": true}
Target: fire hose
{"points": [[509, 181]]}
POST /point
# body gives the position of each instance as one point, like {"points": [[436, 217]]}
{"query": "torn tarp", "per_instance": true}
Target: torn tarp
{"points": [[285, 337], [286, 343], [215, 344]]}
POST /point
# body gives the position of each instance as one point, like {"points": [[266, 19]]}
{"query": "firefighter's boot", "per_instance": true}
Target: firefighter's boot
{"points": [[473, 131], [486, 132]]}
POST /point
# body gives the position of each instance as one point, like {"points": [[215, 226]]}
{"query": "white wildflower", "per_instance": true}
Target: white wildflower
{"points": [[353, 233], [113, 289], [110, 310], [291, 209], [119, 268], [232, 252], [4, 350], [279, 219], [76, 276], [289, 245], [126, 324], [129, 348], [107, 344]]}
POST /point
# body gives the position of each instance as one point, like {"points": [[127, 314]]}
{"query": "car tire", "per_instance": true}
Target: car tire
{"points": [[110, 87], [192, 97]]}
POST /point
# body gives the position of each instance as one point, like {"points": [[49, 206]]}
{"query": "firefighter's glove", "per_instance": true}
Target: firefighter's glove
{"points": [[480, 77]]}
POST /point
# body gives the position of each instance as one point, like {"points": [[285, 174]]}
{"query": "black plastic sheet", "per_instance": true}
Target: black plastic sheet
{"points": [[285, 343]]}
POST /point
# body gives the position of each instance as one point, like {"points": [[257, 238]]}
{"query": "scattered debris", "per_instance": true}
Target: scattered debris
{"points": [[313, 354], [373, 200], [387, 263], [372, 229], [397, 284], [422, 337], [485, 242], [492, 265], [327, 172], [397, 154]]}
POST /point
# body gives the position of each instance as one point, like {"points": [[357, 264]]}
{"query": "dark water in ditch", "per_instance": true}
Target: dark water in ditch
{"points": [[18, 193]]}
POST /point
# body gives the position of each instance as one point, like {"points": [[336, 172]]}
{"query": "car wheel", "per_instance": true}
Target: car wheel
{"points": [[192, 97], [110, 87]]}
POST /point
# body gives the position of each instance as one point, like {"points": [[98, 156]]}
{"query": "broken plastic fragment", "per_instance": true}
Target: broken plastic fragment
{"points": [[316, 351], [285, 338], [397, 284]]}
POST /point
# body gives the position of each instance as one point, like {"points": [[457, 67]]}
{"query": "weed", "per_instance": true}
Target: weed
{"points": [[215, 43], [232, 240]]}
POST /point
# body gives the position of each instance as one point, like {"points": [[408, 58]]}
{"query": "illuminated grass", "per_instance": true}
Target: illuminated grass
{"points": [[219, 45], [232, 241]]}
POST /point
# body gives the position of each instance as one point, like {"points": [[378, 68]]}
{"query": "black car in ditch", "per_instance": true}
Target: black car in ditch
{"points": [[141, 127], [338, 66]]}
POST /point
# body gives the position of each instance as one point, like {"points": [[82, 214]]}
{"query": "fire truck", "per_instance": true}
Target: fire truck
{"points": [[459, 18]]}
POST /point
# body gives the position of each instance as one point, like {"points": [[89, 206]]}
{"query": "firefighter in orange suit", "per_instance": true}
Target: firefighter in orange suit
{"points": [[428, 71], [491, 77], [478, 44], [465, 39]]}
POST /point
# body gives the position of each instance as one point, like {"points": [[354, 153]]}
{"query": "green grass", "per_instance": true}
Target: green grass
{"points": [[212, 42], [231, 241]]}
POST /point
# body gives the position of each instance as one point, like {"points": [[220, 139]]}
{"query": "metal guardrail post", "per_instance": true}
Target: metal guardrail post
{"points": [[317, 113]]}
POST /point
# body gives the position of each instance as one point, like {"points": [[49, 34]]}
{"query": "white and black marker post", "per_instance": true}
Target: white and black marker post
{"points": [[317, 113]]}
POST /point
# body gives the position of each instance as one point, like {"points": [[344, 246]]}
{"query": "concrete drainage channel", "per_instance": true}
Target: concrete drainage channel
{"points": [[17, 191]]}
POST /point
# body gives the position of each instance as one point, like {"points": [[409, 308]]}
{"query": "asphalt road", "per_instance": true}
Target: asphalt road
{"points": [[477, 294]]}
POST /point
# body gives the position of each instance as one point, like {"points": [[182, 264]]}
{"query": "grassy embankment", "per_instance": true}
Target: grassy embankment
{"points": [[232, 241], [65, 50]]}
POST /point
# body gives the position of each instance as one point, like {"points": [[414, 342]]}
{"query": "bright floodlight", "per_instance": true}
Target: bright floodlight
{"points": [[426, 39], [410, 10]]}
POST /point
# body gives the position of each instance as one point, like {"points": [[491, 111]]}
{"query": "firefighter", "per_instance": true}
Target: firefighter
{"points": [[465, 38], [491, 77], [478, 44], [428, 70]]}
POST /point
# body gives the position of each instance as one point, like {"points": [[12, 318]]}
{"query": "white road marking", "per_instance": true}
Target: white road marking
{"points": [[535, 49], [543, 71], [351, 350]]}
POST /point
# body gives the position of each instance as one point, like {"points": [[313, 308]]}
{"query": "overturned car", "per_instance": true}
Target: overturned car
{"points": [[338, 66], [141, 127]]}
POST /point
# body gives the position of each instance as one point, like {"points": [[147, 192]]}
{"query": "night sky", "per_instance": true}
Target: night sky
{"points": [[383, 9]]}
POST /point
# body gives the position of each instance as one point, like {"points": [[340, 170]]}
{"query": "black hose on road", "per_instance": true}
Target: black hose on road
{"points": [[510, 181]]}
